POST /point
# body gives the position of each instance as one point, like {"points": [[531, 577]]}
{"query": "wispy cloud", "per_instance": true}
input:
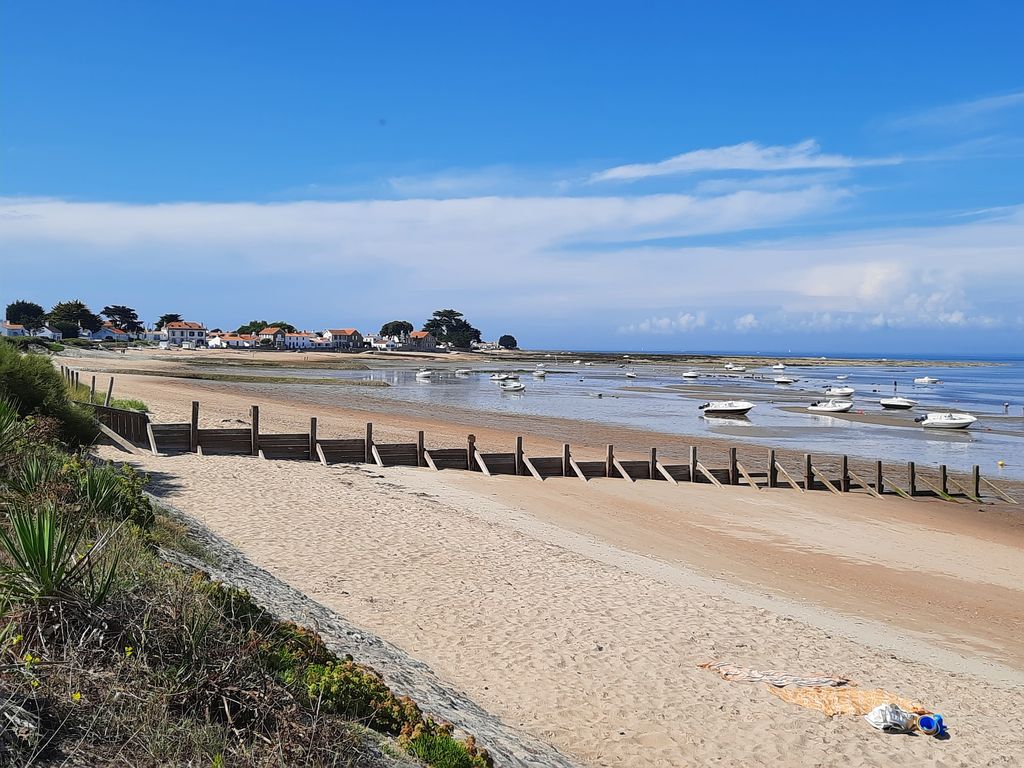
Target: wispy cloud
{"points": [[972, 113], [748, 156]]}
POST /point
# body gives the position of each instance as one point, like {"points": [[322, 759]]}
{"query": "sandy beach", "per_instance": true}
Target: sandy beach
{"points": [[579, 612]]}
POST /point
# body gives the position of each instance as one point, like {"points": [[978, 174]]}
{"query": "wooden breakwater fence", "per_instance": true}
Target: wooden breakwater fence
{"points": [[835, 474]]}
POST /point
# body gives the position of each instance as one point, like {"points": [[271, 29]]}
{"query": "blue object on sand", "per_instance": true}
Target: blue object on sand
{"points": [[931, 725]]}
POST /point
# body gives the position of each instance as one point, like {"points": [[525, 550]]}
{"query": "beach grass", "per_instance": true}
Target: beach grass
{"points": [[237, 378]]}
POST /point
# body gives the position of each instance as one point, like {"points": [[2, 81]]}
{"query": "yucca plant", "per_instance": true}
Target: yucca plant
{"points": [[34, 474], [99, 490], [43, 548], [11, 427]]}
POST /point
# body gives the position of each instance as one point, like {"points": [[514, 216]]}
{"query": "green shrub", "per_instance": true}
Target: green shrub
{"points": [[438, 748], [35, 386], [129, 404], [47, 559]]}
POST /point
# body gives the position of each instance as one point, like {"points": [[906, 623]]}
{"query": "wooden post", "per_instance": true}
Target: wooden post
{"points": [[312, 439], [369, 443], [693, 463], [844, 480], [110, 392], [976, 481], [92, 390], [808, 473], [421, 460], [943, 479], [912, 478], [653, 472], [734, 472], [254, 429], [773, 471], [470, 452], [609, 461], [566, 461], [194, 427], [879, 481], [519, 455]]}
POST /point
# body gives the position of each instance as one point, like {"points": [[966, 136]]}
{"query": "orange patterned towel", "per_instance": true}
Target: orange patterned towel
{"points": [[845, 701]]}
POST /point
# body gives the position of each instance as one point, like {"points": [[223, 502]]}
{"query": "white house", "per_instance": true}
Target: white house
{"points": [[298, 340], [12, 329], [232, 341], [109, 333], [181, 331], [423, 341], [344, 338], [46, 332]]}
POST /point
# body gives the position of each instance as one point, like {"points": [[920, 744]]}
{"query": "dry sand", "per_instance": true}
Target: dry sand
{"points": [[579, 612]]}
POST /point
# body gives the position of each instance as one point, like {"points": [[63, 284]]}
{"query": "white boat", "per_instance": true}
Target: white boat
{"points": [[691, 375], [498, 377], [728, 366], [738, 368], [511, 376], [842, 377], [726, 407], [424, 374], [839, 391], [463, 372], [576, 362], [512, 386], [588, 363], [630, 374], [897, 403], [784, 380], [926, 380], [540, 374], [540, 365], [831, 406], [778, 367], [946, 420]]}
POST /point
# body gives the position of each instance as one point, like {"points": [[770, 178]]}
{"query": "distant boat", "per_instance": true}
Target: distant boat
{"points": [[839, 391], [691, 375], [424, 374], [588, 363], [511, 376], [946, 420], [831, 406], [576, 362], [784, 380], [726, 407], [778, 367], [463, 372], [738, 368], [630, 374], [926, 380], [499, 376], [512, 386], [897, 403], [540, 374], [728, 366], [540, 365], [842, 377]]}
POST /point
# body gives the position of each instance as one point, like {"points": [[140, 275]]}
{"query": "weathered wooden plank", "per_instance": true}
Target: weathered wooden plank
{"points": [[864, 484], [529, 466], [707, 473], [666, 474], [1002, 494], [482, 464], [750, 481], [823, 479], [785, 476]]}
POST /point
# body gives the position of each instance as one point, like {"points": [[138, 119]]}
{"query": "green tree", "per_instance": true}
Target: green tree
{"points": [[396, 328], [125, 318], [508, 341], [449, 326], [69, 316], [253, 326], [165, 319], [27, 313], [286, 327]]}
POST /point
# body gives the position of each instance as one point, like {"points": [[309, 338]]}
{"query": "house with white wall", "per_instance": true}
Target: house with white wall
{"points": [[422, 341], [182, 331], [13, 329], [344, 338], [109, 332]]}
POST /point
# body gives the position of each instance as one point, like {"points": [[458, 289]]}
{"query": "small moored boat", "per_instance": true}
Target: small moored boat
{"points": [[946, 420], [630, 374], [540, 373], [839, 391], [499, 377], [897, 403], [830, 406], [463, 372], [778, 367], [726, 407], [926, 380], [784, 380], [691, 375], [512, 386], [423, 373]]}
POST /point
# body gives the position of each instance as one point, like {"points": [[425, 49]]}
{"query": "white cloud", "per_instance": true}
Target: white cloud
{"points": [[684, 322], [747, 322], [970, 113], [748, 156]]}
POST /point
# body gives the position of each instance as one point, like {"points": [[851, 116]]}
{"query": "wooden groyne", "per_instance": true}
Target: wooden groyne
{"points": [[755, 470]]}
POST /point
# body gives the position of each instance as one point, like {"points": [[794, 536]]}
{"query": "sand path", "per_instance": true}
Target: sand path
{"points": [[578, 612]]}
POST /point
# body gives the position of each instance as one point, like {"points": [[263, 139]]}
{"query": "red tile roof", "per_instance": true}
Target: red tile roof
{"points": [[13, 326], [186, 325], [270, 331], [419, 334], [342, 331]]}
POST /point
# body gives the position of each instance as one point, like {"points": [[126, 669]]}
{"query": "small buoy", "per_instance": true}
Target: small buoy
{"points": [[1001, 463]]}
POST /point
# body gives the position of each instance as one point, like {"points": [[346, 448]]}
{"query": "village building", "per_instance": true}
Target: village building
{"points": [[183, 332], [344, 338], [12, 329], [422, 341]]}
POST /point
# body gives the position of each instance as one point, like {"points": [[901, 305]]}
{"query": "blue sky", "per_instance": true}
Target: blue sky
{"points": [[670, 176]]}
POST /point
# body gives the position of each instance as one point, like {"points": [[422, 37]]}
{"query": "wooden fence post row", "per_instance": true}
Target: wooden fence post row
{"points": [[518, 463]]}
